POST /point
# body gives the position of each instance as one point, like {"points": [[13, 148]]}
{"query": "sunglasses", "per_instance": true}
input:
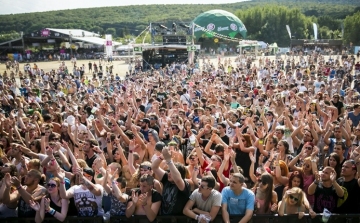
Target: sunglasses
{"points": [[174, 128], [51, 185], [6, 166], [308, 148], [144, 167], [262, 182], [268, 114], [294, 198]]}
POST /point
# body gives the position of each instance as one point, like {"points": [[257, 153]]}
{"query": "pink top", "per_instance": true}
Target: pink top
{"points": [[308, 179]]}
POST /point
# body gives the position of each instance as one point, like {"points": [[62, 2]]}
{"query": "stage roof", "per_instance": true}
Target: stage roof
{"points": [[83, 35]]}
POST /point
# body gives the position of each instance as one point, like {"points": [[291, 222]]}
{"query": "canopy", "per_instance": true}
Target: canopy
{"points": [[220, 22], [273, 45]]}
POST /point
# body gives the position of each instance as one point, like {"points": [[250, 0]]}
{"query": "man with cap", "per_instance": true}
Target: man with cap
{"points": [[87, 196], [153, 122]]}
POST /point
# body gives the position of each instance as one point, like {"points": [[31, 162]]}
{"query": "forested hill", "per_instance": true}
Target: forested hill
{"points": [[133, 19]]}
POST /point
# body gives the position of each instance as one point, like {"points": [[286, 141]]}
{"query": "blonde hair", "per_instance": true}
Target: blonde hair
{"points": [[296, 190], [35, 163], [82, 163]]}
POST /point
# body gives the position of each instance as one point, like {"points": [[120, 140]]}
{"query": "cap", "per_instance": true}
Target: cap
{"points": [[159, 146], [146, 120], [89, 171]]}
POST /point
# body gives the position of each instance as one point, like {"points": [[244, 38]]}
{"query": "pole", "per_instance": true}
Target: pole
{"points": [[70, 41], [22, 41], [192, 53]]}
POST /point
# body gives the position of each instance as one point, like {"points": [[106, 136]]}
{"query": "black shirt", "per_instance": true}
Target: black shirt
{"points": [[90, 161], [173, 199], [325, 197], [352, 202]]}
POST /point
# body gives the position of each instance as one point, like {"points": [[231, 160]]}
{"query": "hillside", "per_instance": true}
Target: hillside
{"points": [[133, 19]]}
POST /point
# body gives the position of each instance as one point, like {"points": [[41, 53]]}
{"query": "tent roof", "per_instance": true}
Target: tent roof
{"points": [[83, 35], [74, 32], [220, 22], [10, 41]]}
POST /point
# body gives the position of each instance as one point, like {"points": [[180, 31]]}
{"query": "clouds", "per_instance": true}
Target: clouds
{"points": [[21, 6]]}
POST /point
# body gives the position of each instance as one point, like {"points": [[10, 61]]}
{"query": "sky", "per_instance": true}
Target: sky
{"points": [[24, 6]]}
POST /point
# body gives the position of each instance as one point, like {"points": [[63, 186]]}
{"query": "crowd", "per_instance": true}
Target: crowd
{"points": [[234, 138]]}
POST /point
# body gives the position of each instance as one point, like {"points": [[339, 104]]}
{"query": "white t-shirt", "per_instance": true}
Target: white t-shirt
{"points": [[230, 132], [317, 85], [87, 204]]}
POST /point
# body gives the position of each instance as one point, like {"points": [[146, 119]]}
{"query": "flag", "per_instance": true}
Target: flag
{"points": [[315, 31], [108, 45], [288, 29]]}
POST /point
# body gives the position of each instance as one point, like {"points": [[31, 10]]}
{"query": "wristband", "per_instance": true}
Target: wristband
{"points": [[52, 211], [168, 162], [207, 169], [316, 182], [130, 151], [159, 157], [19, 187], [114, 182], [42, 134], [62, 182]]}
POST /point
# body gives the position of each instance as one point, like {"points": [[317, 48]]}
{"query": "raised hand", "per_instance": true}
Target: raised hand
{"points": [[47, 203], [166, 153], [134, 197], [34, 205], [7, 180], [252, 157], [15, 181], [132, 144], [49, 151], [333, 176], [143, 199]]}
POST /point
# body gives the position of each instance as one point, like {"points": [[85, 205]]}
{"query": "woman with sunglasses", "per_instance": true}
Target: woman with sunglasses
{"points": [[265, 196], [51, 205], [306, 164], [294, 202]]}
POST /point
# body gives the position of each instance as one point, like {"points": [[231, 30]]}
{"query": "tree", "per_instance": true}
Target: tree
{"points": [[111, 31], [351, 29], [97, 29]]}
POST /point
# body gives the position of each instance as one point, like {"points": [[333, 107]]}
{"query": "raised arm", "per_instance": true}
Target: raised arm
{"points": [[175, 174]]}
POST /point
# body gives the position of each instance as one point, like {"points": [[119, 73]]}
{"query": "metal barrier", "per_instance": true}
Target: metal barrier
{"points": [[335, 218]]}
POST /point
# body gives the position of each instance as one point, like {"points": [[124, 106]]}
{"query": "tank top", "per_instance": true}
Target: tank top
{"points": [[53, 206], [308, 180], [285, 209]]}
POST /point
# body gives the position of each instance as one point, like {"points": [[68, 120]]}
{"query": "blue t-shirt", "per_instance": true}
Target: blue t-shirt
{"points": [[332, 145], [355, 119], [238, 204]]}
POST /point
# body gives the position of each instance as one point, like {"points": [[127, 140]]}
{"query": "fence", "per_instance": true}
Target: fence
{"points": [[335, 218]]}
